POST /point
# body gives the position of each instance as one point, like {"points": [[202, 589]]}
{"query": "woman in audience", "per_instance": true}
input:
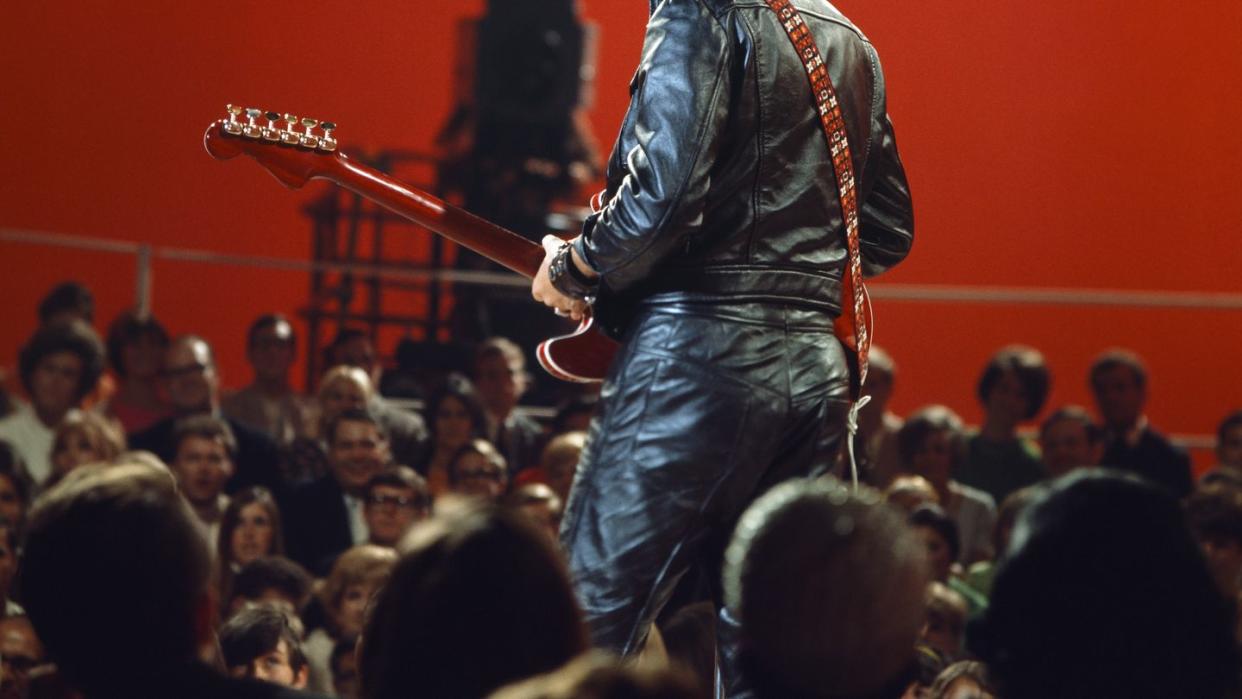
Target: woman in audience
{"points": [[250, 528], [83, 437], [456, 416], [355, 578], [1012, 389], [480, 598], [930, 443], [60, 365], [136, 346]]}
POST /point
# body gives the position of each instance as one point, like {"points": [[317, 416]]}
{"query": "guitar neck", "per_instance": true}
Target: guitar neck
{"points": [[494, 242]]}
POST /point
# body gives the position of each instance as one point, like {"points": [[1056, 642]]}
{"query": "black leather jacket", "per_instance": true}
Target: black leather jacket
{"points": [[720, 187]]}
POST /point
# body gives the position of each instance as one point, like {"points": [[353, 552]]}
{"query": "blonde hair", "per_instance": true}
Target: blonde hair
{"points": [[102, 435], [365, 563], [345, 372], [563, 448]]}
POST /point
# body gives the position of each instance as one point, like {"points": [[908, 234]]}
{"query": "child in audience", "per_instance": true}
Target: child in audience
{"points": [[260, 642]]}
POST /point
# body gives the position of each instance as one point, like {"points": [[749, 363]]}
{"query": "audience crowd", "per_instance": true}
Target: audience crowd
{"points": [[161, 537]]}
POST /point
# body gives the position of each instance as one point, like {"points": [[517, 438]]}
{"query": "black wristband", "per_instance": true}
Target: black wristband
{"points": [[567, 278]]}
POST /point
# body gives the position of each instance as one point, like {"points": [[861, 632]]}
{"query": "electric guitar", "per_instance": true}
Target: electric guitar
{"points": [[296, 151]]}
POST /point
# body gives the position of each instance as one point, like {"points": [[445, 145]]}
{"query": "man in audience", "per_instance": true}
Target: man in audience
{"points": [[325, 516], [193, 386], [269, 404], [396, 498], [478, 470], [353, 347], [1012, 389], [828, 586], [501, 378], [1119, 382], [59, 366], [203, 453], [407, 432], [260, 642], [879, 461], [1070, 439], [1103, 592], [272, 580], [117, 583]]}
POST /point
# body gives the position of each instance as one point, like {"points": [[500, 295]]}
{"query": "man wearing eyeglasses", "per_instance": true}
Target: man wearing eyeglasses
{"points": [[396, 498], [193, 387]]}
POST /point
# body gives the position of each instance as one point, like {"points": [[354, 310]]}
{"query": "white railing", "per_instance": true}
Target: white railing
{"points": [[144, 253]]}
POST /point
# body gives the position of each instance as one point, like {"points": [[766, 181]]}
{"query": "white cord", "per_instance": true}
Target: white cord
{"points": [[851, 428]]}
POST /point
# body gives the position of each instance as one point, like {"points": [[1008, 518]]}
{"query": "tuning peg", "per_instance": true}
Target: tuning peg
{"points": [[326, 142], [290, 134], [233, 126], [308, 139], [252, 130], [270, 132]]}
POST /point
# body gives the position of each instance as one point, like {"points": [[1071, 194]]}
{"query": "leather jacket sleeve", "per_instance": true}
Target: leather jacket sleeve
{"points": [[676, 119], [886, 216]]}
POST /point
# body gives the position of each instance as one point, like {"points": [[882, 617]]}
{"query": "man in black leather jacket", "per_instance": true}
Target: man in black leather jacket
{"points": [[716, 257]]}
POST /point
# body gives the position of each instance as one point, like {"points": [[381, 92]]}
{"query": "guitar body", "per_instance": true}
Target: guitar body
{"points": [[580, 357], [294, 153]]}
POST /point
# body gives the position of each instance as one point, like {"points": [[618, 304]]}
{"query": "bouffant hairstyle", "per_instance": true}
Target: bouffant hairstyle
{"points": [[65, 336]]}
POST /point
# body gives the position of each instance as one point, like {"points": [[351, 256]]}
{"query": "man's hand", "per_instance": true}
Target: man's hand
{"points": [[543, 291]]}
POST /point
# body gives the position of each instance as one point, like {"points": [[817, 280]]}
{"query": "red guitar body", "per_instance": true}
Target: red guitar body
{"points": [[295, 155]]}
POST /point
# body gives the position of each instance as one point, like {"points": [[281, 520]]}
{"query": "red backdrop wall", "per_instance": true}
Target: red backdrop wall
{"points": [[1059, 144]]}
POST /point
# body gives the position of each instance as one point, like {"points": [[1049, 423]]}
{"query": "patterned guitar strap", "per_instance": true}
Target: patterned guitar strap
{"points": [[852, 326]]}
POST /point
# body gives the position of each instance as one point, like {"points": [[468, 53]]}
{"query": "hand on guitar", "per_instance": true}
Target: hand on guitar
{"points": [[545, 292]]}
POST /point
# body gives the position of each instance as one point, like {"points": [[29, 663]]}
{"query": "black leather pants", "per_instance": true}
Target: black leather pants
{"points": [[705, 408]]}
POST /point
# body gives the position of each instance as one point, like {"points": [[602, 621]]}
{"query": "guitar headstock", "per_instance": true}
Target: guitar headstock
{"points": [[293, 149]]}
